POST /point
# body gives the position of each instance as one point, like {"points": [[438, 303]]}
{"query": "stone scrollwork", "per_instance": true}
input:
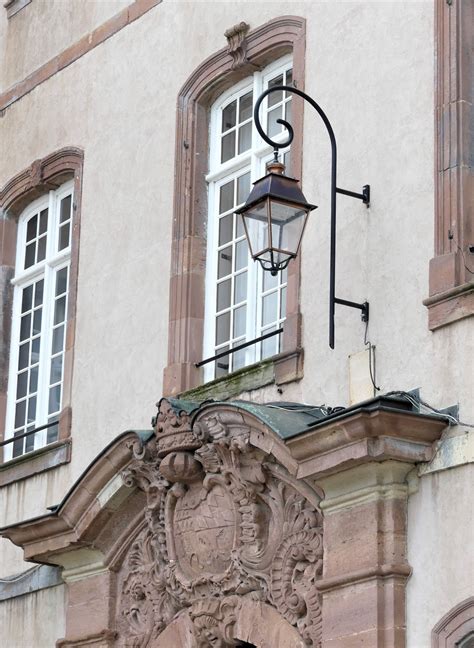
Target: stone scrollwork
{"points": [[224, 522]]}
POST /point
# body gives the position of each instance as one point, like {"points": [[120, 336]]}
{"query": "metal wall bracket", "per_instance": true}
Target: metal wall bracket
{"points": [[364, 196]]}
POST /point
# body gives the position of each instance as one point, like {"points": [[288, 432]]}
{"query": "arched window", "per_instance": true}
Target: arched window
{"points": [[456, 628], [224, 78], [242, 301], [41, 283], [40, 213]]}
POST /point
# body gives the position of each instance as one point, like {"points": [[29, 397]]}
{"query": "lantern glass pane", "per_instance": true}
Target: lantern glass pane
{"points": [[256, 224], [287, 226]]}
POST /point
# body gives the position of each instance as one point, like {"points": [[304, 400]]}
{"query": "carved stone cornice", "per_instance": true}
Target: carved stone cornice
{"points": [[381, 430]]}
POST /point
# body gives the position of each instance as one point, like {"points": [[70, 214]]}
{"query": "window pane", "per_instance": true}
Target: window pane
{"points": [[56, 369], [245, 107], [26, 298], [240, 315], [239, 226], [54, 399], [22, 384], [65, 213], [20, 413], [269, 281], [30, 255], [224, 262], [32, 409], [238, 360], [41, 249], [52, 432], [289, 78], [283, 303], [18, 445], [241, 254], [30, 440], [273, 115], [39, 292], [63, 242], [240, 287], [61, 281], [25, 327], [270, 345], [35, 350], [288, 111], [229, 116], [243, 188], [31, 228], [226, 200], [245, 137], [37, 321], [58, 338], [223, 295], [225, 229], [222, 364], [60, 310], [222, 328], [33, 379], [275, 97], [269, 310], [23, 356], [43, 221], [228, 146]]}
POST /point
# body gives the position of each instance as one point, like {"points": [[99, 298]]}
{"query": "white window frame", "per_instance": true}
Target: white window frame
{"points": [[46, 270], [255, 160]]}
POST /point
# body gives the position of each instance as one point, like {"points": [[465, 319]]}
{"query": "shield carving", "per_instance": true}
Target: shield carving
{"points": [[204, 529]]}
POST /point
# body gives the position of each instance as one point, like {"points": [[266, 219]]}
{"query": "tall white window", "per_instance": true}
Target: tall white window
{"points": [[242, 301], [39, 321]]}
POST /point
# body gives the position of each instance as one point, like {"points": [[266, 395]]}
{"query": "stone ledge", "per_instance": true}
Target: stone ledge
{"points": [[50, 456], [37, 578], [279, 369], [450, 305]]}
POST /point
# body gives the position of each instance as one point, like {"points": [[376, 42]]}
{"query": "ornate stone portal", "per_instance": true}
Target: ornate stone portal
{"points": [[227, 528]]}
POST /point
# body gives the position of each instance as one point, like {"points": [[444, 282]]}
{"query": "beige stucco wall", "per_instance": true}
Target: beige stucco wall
{"points": [[440, 540], [371, 67], [35, 619], [39, 32]]}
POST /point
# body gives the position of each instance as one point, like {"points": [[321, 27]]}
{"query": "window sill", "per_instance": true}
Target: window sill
{"points": [[450, 305], [280, 369], [53, 455]]}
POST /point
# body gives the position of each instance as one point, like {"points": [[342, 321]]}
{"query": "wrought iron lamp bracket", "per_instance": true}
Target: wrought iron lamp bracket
{"points": [[364, 196]]}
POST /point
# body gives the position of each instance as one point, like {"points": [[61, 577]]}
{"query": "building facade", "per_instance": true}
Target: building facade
{"points": [[284, 493]]}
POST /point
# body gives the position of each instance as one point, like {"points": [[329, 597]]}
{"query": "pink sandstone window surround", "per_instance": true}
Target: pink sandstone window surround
{"points": [[452, 268], [456, 628], [261, 46], [45, 177]]}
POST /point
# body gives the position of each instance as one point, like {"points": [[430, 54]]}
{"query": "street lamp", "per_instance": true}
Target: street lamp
{"points": [[275, 215], [276, 210]]}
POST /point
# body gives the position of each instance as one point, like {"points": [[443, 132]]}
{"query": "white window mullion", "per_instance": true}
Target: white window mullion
{"points": [[45, 353]]}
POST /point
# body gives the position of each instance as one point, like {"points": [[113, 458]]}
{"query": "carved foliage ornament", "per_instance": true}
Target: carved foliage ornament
{"points": [[224, 522]]}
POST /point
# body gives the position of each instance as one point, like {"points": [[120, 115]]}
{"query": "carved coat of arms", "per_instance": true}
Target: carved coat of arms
{"points": [[225, 523]]}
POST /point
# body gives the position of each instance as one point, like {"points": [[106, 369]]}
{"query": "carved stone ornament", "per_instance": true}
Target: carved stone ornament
{"points": [[237, 41], [225, 524]]}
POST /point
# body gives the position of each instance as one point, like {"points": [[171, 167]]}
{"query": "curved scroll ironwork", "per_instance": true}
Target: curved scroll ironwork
{"points": [[365, 196]]}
